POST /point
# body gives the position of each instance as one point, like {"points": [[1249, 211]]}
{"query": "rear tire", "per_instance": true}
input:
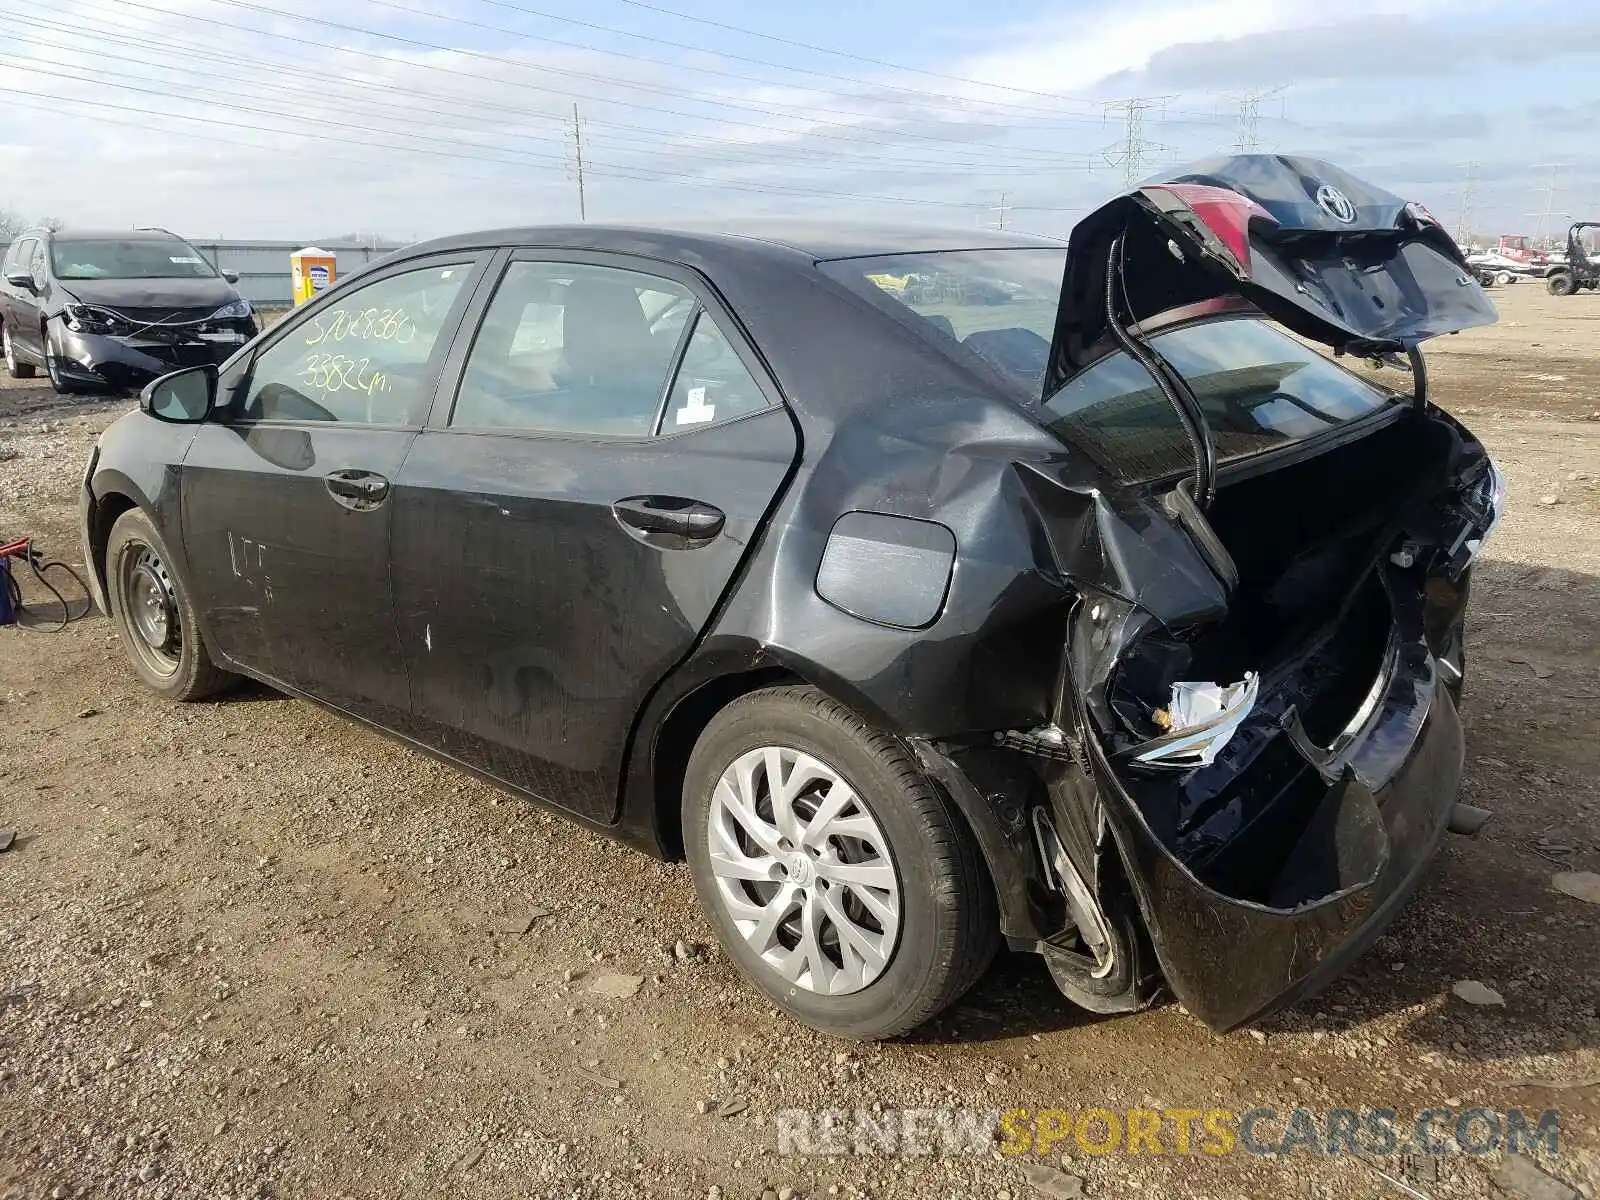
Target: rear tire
{"points": [[154, 616], [15, 367], [776, 900], [1561, 284]]}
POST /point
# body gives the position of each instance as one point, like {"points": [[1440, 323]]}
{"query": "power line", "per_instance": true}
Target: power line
{"points": [[325, 82], [861, 58], [921, 95], [231, 140], [608, 171], [189, 93], [544, 69], [1136, 149], [468, 22], [1053, 155]]}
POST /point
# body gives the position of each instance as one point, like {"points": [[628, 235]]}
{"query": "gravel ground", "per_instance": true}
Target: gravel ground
{"points": [[250, 950]]}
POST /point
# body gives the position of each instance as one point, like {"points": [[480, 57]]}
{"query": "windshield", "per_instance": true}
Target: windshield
{"points": [[999, 304], [1258, 387], [128, 258]]}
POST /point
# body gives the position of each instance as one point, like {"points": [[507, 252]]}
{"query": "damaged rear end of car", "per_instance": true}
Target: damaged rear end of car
{"points": [[1258, 721]]}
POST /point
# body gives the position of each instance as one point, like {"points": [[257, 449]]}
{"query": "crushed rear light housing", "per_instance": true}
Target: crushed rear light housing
{"points": [[1222, 213], [1203, 716]]}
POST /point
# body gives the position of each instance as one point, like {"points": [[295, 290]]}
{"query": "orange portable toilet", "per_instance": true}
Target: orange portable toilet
{"points": [[312, 271]]}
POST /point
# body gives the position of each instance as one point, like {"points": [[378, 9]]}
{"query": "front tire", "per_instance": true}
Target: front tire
{"points": [[15, 367], [840, 881], [52, 368], [154, 616], [1561, 284]]}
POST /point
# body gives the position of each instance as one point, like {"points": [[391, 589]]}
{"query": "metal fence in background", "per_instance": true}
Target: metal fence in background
{"points": [[263, 267]]}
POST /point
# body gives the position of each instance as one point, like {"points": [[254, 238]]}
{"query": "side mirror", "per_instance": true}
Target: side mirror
{"points": [[231, 276], [184, 397], [20, 279]]}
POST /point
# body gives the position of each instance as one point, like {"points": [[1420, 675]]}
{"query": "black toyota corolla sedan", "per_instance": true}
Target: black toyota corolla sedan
{"points": [[923, 590]]}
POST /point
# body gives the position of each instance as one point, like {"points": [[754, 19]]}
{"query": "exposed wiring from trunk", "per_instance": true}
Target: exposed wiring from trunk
{"points": [[22, 552], [1203, 485]]}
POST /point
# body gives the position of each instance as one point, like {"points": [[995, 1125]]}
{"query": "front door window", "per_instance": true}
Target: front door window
{"points": [[364, 360]]}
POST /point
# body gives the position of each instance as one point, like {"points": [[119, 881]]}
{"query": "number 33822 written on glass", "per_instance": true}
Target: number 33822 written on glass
{"points": [[338, 373]]}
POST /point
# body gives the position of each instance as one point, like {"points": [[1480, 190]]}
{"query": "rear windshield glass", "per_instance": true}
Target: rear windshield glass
{"points": [[128, 258], [999, 304], [1259, 387]]}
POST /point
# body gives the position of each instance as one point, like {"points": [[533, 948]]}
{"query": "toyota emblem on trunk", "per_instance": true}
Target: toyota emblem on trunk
{"points": [[1336, 204]]}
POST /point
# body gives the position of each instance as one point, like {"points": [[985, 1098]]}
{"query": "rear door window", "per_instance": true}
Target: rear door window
{"points": [[999, 305], [572, 348], [1259, 388], [712, 383]]}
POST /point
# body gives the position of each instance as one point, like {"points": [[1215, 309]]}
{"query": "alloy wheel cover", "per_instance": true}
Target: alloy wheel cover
{"points": [[803, 870]]}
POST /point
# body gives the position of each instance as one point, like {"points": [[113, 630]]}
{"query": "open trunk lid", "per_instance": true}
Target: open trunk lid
{"points": [[1325, 254]]}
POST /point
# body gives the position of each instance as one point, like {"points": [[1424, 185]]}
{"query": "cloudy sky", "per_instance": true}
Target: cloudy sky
{"points": [[410, 118]]}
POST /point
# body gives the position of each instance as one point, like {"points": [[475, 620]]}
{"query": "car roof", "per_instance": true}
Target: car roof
{"points": [[815, 240], [109, 235]]}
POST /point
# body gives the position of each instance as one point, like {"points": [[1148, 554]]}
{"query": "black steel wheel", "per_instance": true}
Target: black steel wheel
{"points": [[153, 614]]}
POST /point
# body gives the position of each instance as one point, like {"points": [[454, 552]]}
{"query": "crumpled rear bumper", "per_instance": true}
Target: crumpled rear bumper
{"points": [[1376, 829]]}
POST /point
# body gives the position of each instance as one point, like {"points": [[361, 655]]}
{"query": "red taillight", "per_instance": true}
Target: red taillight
{"points": [[1225, 213]]}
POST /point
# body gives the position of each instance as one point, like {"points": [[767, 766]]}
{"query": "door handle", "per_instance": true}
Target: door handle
{"points": [[357, 490], [671, 515]]}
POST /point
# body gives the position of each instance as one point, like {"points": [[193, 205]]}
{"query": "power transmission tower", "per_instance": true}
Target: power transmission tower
{"points": [[577, 147], [1469, 190], [1247, 140], [1548, 209], [1000, 211], [1136, 150]]}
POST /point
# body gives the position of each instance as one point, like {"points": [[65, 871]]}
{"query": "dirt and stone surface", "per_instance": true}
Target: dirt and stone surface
{"points": [[248, 949]]}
